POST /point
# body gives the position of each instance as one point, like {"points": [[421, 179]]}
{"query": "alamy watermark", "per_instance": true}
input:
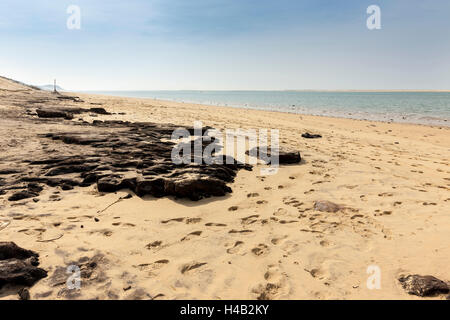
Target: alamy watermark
{"points": [[74, 20], [213, 147], [74, 280], [374, 280], [374, 20]]}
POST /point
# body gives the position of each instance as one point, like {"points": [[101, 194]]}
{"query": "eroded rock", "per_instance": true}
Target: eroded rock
{"points": [[118, 155], [18, 266], [423, 286]]}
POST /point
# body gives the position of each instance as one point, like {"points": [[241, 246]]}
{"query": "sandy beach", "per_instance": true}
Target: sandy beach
{"points": [[265, 240]]}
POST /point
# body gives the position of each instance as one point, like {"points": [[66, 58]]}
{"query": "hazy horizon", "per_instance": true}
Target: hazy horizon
{"points": [[227, 45]]}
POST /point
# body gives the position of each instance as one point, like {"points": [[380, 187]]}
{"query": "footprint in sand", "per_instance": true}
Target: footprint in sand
{"points": [[287, 221], [235, 248], [233, 208], [191, 235], [384, 213], [154, 244], [250, 219], [191, 266], [260, 249], [152, 267], [325, 243], [240, 231], [278, 240], [212, 224], [173, 220], [252, 195], [104, 232], [317, 273], [280, 212], [274, 287], [385, 194]]}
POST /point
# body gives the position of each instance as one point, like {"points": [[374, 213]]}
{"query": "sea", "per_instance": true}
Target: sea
{"points": [[429, 108]]}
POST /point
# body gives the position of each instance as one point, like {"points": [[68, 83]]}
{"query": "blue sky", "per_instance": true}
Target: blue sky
{"points": [[227, 44]]}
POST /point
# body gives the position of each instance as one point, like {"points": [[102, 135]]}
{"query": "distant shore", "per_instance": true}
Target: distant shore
{"points": [[426, 108]]}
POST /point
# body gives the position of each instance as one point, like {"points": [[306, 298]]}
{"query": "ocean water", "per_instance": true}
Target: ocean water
{"points": [[432, 108]]}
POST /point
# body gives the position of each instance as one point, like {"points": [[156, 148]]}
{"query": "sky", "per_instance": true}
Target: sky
{"points": [[227, 44]]}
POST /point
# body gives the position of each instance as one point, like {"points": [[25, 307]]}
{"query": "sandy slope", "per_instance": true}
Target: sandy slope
{"points": [[264, 240]]}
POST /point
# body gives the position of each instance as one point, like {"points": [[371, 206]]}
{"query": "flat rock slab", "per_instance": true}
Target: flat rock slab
{"points": [[118, 155], [423, 286]]}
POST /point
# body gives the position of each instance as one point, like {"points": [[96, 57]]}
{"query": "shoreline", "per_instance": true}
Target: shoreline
{"points": [[444, 124], [162, 101]]}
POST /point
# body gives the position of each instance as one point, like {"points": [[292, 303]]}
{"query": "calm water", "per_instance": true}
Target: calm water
{"points": [[412, 107]]}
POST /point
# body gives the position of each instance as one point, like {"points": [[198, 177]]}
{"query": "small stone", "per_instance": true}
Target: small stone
{"points": [[24, 294], [308, 135], [326, 206]]}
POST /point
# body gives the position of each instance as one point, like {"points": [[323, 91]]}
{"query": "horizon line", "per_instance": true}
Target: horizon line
{"points": [[262, 90]]}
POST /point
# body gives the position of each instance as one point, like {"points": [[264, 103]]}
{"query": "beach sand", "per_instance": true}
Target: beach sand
{"points": [[265, 240]]}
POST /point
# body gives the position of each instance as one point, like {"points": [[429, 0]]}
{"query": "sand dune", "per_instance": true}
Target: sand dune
{"points": [[265, 240]]}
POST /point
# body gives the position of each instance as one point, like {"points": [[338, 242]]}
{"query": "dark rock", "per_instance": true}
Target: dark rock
{"points": [[24, 294], [284, 157], [18, 266], [109, 184], [122, 155], [19, 272], [8, 171], [154, 187], [69, 169], [9, 250], [311, 136], [289, 157], [196, 189], [66, 187], [34, 188], [71, 98], [44, 113], [99, 111], [423, 286], [22, 195]]}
